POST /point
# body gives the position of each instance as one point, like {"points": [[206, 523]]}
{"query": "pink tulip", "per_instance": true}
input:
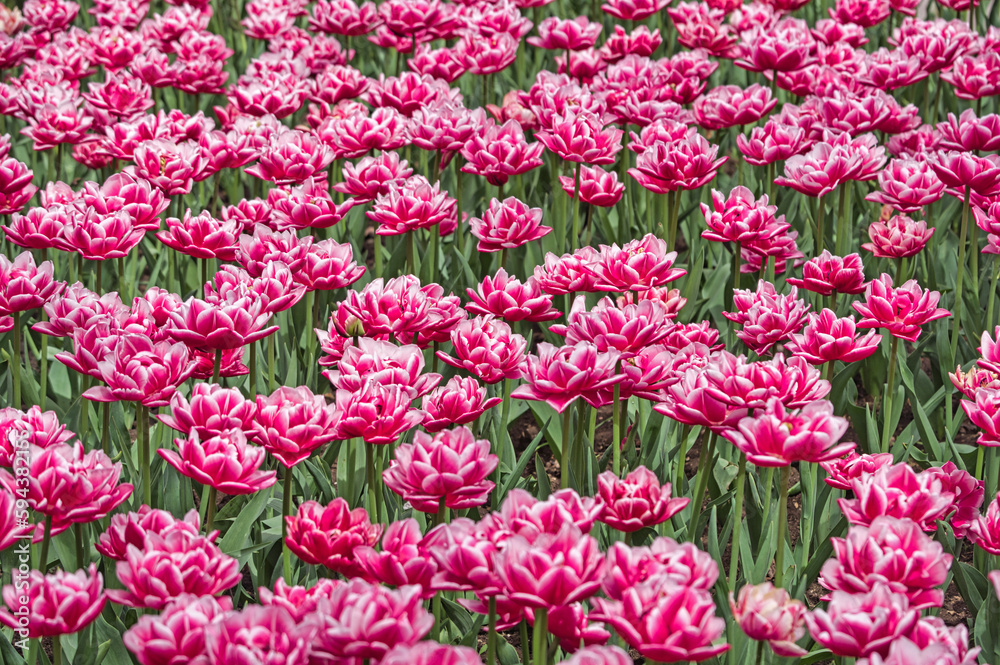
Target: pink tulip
{"points": [[373, 176], [383, 363], [636, 502], [306, 205], [344, 17], [731, 106], [223, 462], [597, 186], [828, 273], [891, 551], [688, 163], [523, 515], [377, 413], [767, 318], [448, 469], [14, 524], [907, 185], [766, 613], [975, 77], [559, 375], [328, 266], [636, 266], [170, 565], [599, 655], [841, 472], [259, 634], [582, 138], [498, 152], [826, 338], [41, 429], [221, 324], [553, 571], [291, 423], [900, 310], [393, 618], [568, 273], [857, 625], [211, 410], [358, 134], [131, 529], [69, 485], [773, 142], [299, 601], [171, 167], [444, 127], [15, 185], [327, 536], [487, 348], [431, 653], [507, 225], [413, 204], [968, 383], [900, 237], [459, 402], [784, 49], [626, 329], [23, 286], [740, 218], [402, 559], [266, 246], [666, 622], [176, 636], [898, 491], [201, 236], [968, 492], [137, 370], [964, 169], [40, 228], [829, 164], [53, 605], [985, 530], [778, 438], [507, 298], [559, 34]]}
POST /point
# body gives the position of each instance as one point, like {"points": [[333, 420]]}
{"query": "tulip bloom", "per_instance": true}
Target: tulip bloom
{"points": [[553, 571], [291, 423], [778, 438], [402, 560], [858, 625], [137, 370], [487, 348], [23, 286], [766, 613], [327, 536], [177, 634], [507, 225], [898, 238], [767, 317], [560, 375], [223, 462], [902, 311], [210, 411], [505, 297], [54, 605], [258, 634], [450, 469], [826, 338], [130, 529], [907, 185], [459, 402], [636, 266], [636, 502], [827, 273]]}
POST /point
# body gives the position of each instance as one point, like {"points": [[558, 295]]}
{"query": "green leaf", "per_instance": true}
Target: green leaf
{"points": [[238, 533], [7, 653], [522, 463]]}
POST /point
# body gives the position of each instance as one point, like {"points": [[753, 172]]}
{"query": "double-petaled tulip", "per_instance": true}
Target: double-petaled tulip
{"points": [[526, 516], [626, 328], [211, 410], [292, 157], [222, 323], [568, 273], [826, 338], [554, 570], [679, 563], [15, 185], [560, 375], [985, 530], [907, 185], [402, 559], [42, 429], [177, 634], [448, 469], [560, 34], [635, 266], [299, 601], [828, 273], [775, 437], [136, 369], [306, 206], [597, 655], [984, 412], [458, 402], [900, 310], [857, 625], [971, 133], [70, 486], [327, 535], [774, 142], [636, 502], [377, 413], [964, 169], [329, 265], [783, 49], [687, 163], [842, 472], [891, 551], [507, 224], [384, 363], [766, 613], [897, 238], [741, 218], [431, 653], [99, 237], [131, 529], [62, 603], [258, 634], [411, 205], [505, 297], [292, 422], [393, 618], [40, 228], [171, 167], [899, 491], [373, 176], [730, 106], [581, 137], [223, 462], [201, 236], [498, 152], [25, 286], [597, 186], [488, 349], [257, 251], [170, 565], [767, 317]]}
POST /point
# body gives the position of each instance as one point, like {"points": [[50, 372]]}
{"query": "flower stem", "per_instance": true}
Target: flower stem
{"points": [[217, 367], [523, 627], [889, 392], [286, 511], [959, 279], [80, 552], [779, 557], [147, 485], [842, 219], [43, 557], [820, 239], [253, 370], [491, 639], [616, 433], [734, 556], [409, 253], [540, 648], [567, 444], [576, 205], [701, 484], [271, 382], [15, 364], [56, 650], [991, 303], [675, 209], [377, 250], [433, 254], [370, 468], [106, 428], [213, 497], [681, 458]]}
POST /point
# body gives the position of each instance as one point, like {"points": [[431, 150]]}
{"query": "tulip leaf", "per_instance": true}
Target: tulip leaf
{"points": [[239, 531], [506, 654], [522, 463], [460, 616], [985, 628], [542, 476], [816, 657], [7, 653]]}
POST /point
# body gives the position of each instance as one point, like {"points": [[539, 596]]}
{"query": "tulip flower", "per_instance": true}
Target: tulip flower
{"points": [[731, 106], [258, 634], [131, 528], [487, 348], [598, 655], [459, 402], [767, 318], [907, 185], [508, 224], [827, 273], [299, 601], [766, 613], [826, 338], [431, 653], [137, 370], [327, 536], [411, 205], [740, 218], [553, 571], [842, 472], [54, 605], [373, 176], [898, 238], [223, 462], [777, 438], [636, 266], [505, 297], [41, 429], [170, 565], [402, 559], [177, 634], [448, 469], [559, 34], [985, 530], [890, 551], [560, 375], [581, 137], [902, 310], [636, 502], [328, 266], [201, 236], [210, 411], [384, 363], [377, 413], [498, 152], [25, 286], [857, 625], [221, 324], [898, 491], [291, 423], [526, 516]]}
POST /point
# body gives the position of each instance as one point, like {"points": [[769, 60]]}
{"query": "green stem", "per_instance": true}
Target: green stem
{"points": [[370, 469], [616, 432], [525, 645], [681, 459], [889, 392], [15, 364], [106, 428], [253, 371], [271, 382], [734, 556], [147, 485], [433, 254], [81, 561], [674, 214], [409, 253], [567, 444], [701, 484], [217, 367], [842, 219], [576, 206], [820, 212], [540, 648], [43, 372], [991, 302], [286, 511], [377, 249], [56, 650], [959, 279], [779, 557], [43, 557], [491, 639]]}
